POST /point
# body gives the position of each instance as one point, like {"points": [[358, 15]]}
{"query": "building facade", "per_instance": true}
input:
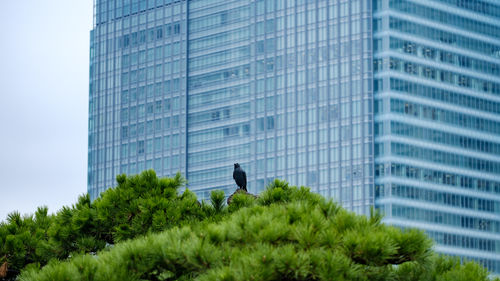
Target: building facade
{"points": [[437, 122], [287, 89], [282, 87]]}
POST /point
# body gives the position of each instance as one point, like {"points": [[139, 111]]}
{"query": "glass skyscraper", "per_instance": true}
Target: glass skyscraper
{"points": [[282, 87], [402, 116], [437, 122]]}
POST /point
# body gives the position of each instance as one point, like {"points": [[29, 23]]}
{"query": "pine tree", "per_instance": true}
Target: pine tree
{"points": [[143, 229]]}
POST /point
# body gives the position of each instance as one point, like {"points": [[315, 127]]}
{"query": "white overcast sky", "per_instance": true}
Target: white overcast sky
{"points": [[44, 53]]}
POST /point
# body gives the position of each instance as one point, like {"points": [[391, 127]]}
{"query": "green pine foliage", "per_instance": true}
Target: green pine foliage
{"points": [[217, 198], [142, 204], [139, 205], [154, 233], [23, 239]]}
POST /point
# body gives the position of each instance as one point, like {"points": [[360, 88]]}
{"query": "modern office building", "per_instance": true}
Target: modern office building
{"points": [[282, 87], [437, 121], [402, 116]]}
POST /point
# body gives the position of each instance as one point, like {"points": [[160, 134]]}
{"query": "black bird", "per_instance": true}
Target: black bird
{"points": [[240, 177]]}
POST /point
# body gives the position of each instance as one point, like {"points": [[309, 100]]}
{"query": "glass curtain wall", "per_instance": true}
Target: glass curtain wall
{"points": [[219, 101], [284, 87], [437, 108], [137, 111]]}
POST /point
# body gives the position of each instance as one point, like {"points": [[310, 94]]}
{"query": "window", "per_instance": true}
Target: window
{"points": [[140, 147], [159, 33]]}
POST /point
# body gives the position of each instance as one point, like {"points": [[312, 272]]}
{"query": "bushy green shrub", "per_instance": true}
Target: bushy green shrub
{"points": [[283, 241], [241, 200], [217, 198], [23, 239], [139, 205], [144, 230]]}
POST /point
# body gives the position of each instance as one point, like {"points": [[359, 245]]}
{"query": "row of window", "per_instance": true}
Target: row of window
{"points": [[296, 140], [149, 127], [445, 158], [311, 96], [219, 155], [197, 4], [149, 146], [293, 119], [219, 95], [460, 22], [221, 76], [444, 37], [313, 15], [443, 218], [435, 54], [295, 78], [435, 74], [444, 116], [206, 175], [168, 163], [448, 97], [218, 134], [219, 58], [219, 114], [466, 242], [426, 134], [269, 6], [220, 39], [150, 55], [140, 111], [437, 177], [478, 6], [140, 94], [151, 72], [150, 35], [437, 197], [133, 149], [111, 11], [219, 19]]}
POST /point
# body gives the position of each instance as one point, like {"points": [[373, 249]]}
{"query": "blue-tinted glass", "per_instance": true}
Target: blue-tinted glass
{"points": [[437, 150], [285, 88]]}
